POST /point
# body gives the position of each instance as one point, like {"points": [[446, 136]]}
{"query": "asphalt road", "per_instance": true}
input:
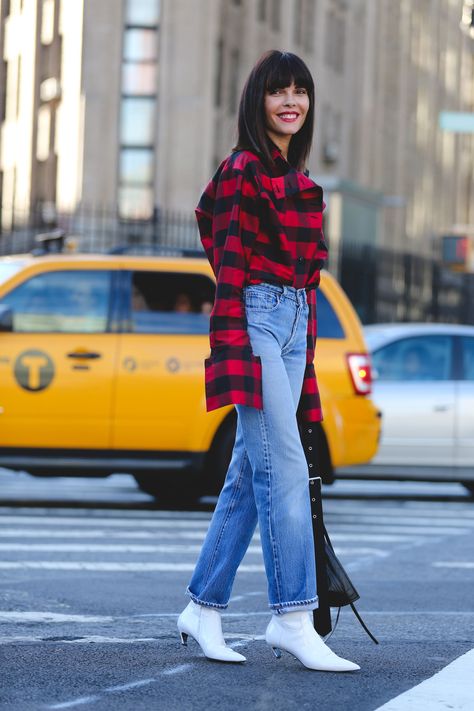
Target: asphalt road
{"points": [[92, 578]]}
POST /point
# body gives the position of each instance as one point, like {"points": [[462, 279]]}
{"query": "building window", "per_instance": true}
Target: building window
{"points": [[219, 73], [43, 136], [309, 25], [234, 81], [47, 22], [276, 15], [142, 13], [138, 112], [297, 18], [304, 24], [335, 37]]}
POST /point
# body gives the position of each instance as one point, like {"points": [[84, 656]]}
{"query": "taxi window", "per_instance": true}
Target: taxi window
{"points": [[468, 358], [69, 301], [8, 269], [170, 302], [329, 325]]}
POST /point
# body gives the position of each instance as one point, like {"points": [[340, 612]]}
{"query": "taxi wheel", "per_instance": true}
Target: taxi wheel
{"points": [[170, 487], [469, 485]]}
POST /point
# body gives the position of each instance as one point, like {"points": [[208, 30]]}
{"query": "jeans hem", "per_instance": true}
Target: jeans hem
{"points": [[204, 602], [279, 608]]}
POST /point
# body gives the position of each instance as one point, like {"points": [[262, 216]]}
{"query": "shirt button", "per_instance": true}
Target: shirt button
{"points": [[301, 259]]}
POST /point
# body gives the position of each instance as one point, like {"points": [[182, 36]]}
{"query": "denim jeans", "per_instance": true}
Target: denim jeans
{"points": [[267, 478]]}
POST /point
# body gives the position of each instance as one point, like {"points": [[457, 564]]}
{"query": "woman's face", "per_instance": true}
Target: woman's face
{"points": [[286, 110]]}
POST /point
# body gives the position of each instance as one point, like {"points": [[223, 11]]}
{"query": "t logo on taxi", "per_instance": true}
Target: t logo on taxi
{"points": [[33, 370]]}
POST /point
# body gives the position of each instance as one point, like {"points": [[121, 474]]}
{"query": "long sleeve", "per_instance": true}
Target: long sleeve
{"points": [[228, 221]]}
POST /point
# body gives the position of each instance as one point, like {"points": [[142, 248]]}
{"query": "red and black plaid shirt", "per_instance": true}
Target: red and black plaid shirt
{"points": [[258, 226]]}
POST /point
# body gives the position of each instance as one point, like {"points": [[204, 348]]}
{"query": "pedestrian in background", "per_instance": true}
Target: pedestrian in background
{"points": [[260, 221]]}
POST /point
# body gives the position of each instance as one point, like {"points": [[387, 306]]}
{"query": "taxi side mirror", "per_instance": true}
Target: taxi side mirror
{"points": [[6, 318]]}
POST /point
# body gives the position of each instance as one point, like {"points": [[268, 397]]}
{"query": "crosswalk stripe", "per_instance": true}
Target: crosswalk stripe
{"points": [[98, 533], [108, 548], [467, 565], [450, 688], [378, 524], [115, 522], [108, 567], [181, 549], [184, 535]]}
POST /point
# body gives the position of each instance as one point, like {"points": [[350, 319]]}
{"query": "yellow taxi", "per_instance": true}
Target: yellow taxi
{"points": [[102, 371]]}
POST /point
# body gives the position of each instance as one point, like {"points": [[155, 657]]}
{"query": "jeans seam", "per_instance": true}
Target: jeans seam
{"points": [[267, 457], [294, 329], [228, 512]]}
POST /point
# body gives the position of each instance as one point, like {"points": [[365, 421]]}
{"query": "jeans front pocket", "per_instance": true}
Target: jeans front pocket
{"points": [[258, 297]]}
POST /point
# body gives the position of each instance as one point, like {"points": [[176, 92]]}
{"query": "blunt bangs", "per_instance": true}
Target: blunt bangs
{"points": [[285, 68]]}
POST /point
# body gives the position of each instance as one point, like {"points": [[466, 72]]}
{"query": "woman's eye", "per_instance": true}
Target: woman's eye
{"points": [[301, 91]]}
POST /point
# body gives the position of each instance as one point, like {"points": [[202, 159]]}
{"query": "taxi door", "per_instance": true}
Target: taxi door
{"points": [[57, 364], [160, 372]]}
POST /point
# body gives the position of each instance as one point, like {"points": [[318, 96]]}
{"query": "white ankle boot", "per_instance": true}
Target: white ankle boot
{"points": [[203, 624], [294, 632]]}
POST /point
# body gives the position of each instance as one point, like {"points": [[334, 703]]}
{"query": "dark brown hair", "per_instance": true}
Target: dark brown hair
{"points": [[274, 70]]}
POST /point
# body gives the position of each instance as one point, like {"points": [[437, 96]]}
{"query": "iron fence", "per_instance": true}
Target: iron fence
{"points": [[382, 284]]}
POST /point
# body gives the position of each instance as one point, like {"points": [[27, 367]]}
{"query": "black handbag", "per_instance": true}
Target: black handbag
{"points": [[334, 587]]}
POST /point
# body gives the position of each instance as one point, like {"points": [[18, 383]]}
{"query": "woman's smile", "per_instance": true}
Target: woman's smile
{"points": [[285, 113]]}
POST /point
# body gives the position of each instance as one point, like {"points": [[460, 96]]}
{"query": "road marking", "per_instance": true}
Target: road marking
{"points": [[130, 685], [110, 548], [107, 567], [342, 518], [450, 688], [467, 565], [76, 702], [177, 670], [165, 548], [97, 533], [39, 616], [185, 535], [112, 522]]}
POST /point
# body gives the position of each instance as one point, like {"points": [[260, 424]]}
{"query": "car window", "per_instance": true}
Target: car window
{"points": [[468, 358], [69, 301], [329, 325], [419, 358], [8, 269], [168, 302]]}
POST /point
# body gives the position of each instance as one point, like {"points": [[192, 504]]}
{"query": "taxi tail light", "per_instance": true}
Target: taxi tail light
{"points": [[360, 368]]}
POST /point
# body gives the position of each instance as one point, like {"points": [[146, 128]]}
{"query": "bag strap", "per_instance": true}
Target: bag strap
{"points": [[363, 625], [322, 615]]}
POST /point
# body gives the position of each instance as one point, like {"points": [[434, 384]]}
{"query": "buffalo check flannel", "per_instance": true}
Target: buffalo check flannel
{"points": [[258, 226]]}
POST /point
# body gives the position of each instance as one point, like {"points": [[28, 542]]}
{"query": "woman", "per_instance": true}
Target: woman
{"points": [[260, 223]]}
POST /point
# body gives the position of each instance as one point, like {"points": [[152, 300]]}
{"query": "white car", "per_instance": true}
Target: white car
{"points": [[424, 387]]}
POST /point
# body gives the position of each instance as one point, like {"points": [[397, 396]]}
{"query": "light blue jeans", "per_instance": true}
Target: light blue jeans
{"points": [[267, 478]]}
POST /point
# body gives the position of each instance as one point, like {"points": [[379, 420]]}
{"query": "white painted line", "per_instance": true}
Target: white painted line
{"points": [[178, 535], [99, 533], [40, 616], [390, 528], [131, 685], [88, 639], [109, 548], [409, 520], [177, 670], [107, 567], [429, 512], [467, 565], [450, 688], [106, 522], [76, 702]]}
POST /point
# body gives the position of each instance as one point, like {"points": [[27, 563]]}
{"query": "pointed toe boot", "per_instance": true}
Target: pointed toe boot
{"points": [[203, 624], [294, 633]]}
